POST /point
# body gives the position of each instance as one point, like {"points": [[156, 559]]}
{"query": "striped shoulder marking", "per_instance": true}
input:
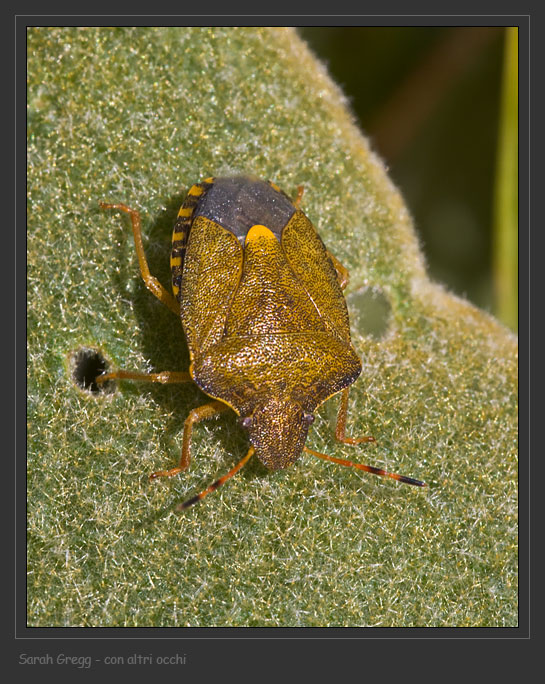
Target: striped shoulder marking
{"points": [[181, 230], [193, 196]]}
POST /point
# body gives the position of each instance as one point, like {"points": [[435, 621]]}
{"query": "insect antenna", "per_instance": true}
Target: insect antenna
{"points": [[217, 483], [367, 468]]}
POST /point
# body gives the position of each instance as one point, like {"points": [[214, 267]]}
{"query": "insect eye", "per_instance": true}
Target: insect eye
{"points": [[308, 418], [246, 422]]}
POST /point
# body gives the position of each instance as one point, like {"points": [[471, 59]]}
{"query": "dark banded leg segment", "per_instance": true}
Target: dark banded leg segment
{"points": [[150, 281], [367, 468], [217, 483]]}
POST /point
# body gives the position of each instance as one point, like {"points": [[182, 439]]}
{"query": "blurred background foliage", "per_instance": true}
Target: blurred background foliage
{"points": [[430, 100]]}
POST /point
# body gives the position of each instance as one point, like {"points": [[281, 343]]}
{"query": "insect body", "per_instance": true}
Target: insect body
{"points": [[262, 308]]}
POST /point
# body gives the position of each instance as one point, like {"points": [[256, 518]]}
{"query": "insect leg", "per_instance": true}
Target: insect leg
{"points": [[150, 281], [340, 428], [300, 193], [340, 434], [217, 483], [342, 271], [166, 377], [202, 413]]}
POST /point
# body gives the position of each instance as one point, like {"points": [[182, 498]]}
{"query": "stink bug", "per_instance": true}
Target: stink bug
{"points": [[261, 304]]}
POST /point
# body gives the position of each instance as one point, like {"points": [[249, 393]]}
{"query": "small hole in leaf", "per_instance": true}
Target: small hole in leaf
{"points": [[371, 311], [86, 365]]}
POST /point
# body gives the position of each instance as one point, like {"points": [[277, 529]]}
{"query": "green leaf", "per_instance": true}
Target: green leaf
{"points": [[137, 115]]}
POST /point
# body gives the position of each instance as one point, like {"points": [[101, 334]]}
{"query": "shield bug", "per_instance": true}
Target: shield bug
{"points": [[261, 304]]}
